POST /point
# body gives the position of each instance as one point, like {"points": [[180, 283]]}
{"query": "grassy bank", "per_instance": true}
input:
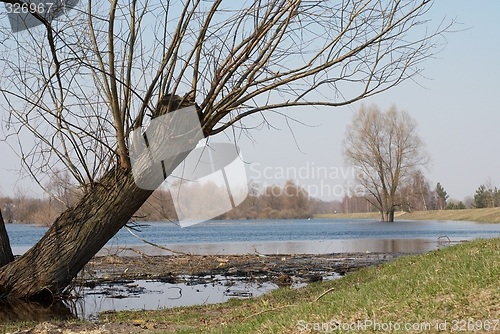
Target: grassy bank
{"points": [[454, 288], [455, 284], [489, 215]]}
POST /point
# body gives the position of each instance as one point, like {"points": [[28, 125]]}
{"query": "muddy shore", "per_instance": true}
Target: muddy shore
{"points": [[280, 269]]}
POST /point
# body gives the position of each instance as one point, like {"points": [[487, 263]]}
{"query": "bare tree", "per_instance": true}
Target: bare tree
{"points": [[387, 151], [82, 86], [417, 194]]}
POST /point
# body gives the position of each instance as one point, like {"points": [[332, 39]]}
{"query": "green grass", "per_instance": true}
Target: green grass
{"points": [[489, 215], [456, 283], [16, 326]]}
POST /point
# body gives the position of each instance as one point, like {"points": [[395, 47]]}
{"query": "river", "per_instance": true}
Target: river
{"points": [[314, 236]]}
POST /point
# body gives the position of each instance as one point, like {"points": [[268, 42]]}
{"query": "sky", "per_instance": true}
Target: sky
{"points": [[455, 106]]}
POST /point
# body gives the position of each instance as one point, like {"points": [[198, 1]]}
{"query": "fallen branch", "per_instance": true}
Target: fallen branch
{"points": [[324, 293], [155, 245], [444, 236], [259, 254], [135, 251]]}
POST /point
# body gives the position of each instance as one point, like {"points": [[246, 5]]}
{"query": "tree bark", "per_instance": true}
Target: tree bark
{"points": [[6, 255], [390, 215], [80, 232]]}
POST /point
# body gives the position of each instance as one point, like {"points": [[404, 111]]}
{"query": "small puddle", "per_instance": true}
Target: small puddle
{"points": [[142, 295]]}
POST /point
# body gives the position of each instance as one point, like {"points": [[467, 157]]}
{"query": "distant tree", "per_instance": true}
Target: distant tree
{"points": [[496, 197], [159, 206], [417, 195], [60, 187], [454, 205], [486, 196], [469, 202], [354, 203], [7, 208], [387, 151], [318, 206], [442, 196], [296, 198], [273, 197], [279, 202], [481, 197]]}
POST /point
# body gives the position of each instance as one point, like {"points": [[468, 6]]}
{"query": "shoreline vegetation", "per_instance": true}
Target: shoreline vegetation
{"points": [[439, 291], [289, 201], [484, 215], [487, 215]]}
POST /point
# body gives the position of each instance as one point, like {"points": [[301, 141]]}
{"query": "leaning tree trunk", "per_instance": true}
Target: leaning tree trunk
{"points": [[73, 239], [81, 231], [6, 255]]}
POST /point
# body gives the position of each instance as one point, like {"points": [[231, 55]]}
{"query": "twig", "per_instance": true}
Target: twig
{"points": [[259, 254], [444, 236], [268, 310], [155, 245], [324, 293], [136, 251]]}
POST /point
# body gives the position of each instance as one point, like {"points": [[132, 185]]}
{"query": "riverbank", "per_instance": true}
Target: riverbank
{"points": [[488, 215], [440, 291], [152, 282]]}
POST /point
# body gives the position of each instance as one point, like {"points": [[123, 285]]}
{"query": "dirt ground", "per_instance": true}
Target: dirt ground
{"points": [[88, 328]]}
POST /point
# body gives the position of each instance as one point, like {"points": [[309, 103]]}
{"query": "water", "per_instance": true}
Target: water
{"points": [[283, 236], [315, 236], [135, 295], [142, 294]]}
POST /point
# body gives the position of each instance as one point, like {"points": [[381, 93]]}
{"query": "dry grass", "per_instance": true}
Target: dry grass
{"points": [[458, 285], [489, 215]]}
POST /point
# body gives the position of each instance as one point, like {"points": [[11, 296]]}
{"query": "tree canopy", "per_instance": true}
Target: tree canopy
{"points": [[76, 93]]}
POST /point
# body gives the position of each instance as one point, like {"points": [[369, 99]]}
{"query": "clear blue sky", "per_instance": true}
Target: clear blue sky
{"points": [[456, 109]]}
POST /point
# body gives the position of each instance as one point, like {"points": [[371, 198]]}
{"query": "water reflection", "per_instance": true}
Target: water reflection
{"points": [[23, 311], [295, 247], [134, 295], [141, 294]]}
